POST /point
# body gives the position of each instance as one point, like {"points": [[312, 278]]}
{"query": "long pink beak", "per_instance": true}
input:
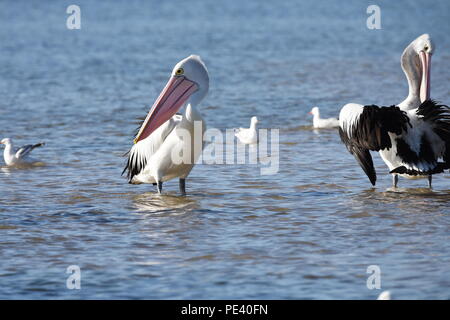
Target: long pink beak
{"points": [[425, 59], [174, 95]]}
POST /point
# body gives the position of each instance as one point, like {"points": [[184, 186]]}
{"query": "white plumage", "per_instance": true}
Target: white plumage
{"points": [[385, 295], [156, 150], [319, 123], [248, 135], [21, 155]]}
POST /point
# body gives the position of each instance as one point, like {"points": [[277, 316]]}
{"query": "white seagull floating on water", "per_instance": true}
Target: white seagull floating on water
{"points": [[319, 123], [19, 156], [385, 295], [248, 135], [413, 137], [150, 160]]}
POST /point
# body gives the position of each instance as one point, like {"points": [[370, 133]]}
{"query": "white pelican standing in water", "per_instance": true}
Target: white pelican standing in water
{"points": [[248, 135], [150, 159], [319, 123], [413, 138], [19, 156]]}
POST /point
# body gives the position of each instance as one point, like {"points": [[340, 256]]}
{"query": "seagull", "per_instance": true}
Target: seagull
{"points": [[413, 137], [385, 295], [19, 156], [250, 135], [165, 136], [319, 123]]}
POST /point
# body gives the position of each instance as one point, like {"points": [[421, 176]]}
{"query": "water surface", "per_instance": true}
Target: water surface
{"points": [[308, 232]]}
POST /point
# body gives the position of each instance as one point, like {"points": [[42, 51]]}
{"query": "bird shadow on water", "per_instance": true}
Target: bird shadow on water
{"points": [[7, 170], [299, 128], [310, 128], [154, 203], [424, 192], [393, 195]]}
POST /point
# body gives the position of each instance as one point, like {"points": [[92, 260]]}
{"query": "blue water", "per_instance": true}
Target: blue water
{"points": [[308, 232]]}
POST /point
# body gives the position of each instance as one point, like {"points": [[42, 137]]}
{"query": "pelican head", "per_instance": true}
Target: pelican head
{"points": [[314, 111], [254, 120], [6, 141], [416, 59], [188, 83]]}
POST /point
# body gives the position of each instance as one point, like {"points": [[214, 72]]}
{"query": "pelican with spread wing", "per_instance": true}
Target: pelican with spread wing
{"points": [[413, 137]]}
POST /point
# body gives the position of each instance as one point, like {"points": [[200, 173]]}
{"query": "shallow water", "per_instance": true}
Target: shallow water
{"points": [[308, 232]]}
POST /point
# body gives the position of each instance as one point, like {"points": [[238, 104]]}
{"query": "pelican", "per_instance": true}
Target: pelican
{"points": [[413, 137], [152, 159], [319, 123], [248, 135], [19, 156]]}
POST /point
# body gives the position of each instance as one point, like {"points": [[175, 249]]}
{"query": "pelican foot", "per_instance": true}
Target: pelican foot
{"points": [[159, 187], [395, 180], [183, 187]]}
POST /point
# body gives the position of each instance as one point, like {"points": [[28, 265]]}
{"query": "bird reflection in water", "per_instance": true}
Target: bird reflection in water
{"points": [[150, 202]]}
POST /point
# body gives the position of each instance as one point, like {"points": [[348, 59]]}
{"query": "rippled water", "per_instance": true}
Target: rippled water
{"points": [[309, 231]]}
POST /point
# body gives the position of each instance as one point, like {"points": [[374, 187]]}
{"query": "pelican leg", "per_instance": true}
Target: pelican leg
{"points": [[395, 180], [160, 187], [430, 179], [183, 187]]}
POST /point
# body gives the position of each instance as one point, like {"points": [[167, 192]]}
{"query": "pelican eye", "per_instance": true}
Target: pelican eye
{"points": [[179, 72], [425, 48]]}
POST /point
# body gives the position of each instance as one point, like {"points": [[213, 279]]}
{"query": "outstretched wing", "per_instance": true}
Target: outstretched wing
{"points": [[24, 151], [366, 128], [142, 151], [437, 116]]}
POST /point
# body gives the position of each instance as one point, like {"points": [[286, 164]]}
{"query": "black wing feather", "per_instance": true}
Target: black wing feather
{"points": [[133, 165], [362, 156], [438, 115], [371, 133], [26, 149]]}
